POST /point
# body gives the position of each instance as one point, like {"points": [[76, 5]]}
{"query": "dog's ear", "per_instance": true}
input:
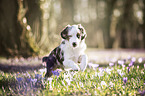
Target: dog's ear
{"points": [[64, 33], [83, 31], [83, 37]]}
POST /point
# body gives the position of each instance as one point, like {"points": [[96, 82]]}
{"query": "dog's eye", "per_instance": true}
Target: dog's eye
{"points": [[78, 35]]}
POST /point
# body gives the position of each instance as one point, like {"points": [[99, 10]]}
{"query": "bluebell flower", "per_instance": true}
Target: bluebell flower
{"points": [[131, 63], [28, 80], [128, 69], [19, 79], [142, 93], [125, 80], [55, 73], [38, 76], [34, 80]]}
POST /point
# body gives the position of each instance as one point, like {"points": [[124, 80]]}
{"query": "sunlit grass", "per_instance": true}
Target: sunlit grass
{"points": [[120, 78]]}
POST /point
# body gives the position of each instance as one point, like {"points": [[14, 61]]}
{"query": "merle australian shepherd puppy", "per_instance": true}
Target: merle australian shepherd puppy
{"points": [[70, 53]]}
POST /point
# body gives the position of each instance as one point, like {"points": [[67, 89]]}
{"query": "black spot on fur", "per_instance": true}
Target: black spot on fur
{"points": [[52, 60], [44, 59], [82, 30], [64, 33], [63, 42], [83, 37], [62, 53], [59, 55], [50, 63], [62, 59]]}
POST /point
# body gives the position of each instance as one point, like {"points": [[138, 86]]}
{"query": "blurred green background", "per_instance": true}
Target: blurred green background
{"points": [[32, 27]]}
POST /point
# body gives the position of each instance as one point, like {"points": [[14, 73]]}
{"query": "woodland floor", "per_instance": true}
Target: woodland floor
{"points": [[97, 56]]}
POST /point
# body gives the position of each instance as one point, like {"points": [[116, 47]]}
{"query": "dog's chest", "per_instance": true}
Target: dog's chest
{"points": [[71, 54]]}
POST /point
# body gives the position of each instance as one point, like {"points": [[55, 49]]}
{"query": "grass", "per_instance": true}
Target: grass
{"points": [[117, 79]]}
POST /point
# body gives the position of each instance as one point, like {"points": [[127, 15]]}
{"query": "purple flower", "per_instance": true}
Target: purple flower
{"points": [[131, 63], [94, 66], [19, 79], [37, 76], [120, 72], [125, 80], [111, 64], [56, 73], [34, 80], [142, 93], [128, 69], [133, 59], [121, 62], [28, 80], [129, 57]]}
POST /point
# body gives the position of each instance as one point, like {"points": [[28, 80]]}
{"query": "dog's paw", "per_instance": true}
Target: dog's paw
{"points": [[76, 69], [83, 69]]}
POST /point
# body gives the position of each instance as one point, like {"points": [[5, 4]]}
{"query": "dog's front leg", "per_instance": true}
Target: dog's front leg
{"points": [[71, 64], [83, 60]]}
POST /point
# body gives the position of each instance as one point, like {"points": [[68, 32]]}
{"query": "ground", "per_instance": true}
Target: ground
{"points": [[99, 56], [119, 72]]}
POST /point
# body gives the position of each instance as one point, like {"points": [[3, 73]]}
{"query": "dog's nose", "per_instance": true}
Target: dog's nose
{"points": [[74, 44]]}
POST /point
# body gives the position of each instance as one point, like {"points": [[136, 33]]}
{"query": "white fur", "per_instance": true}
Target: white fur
{"points": [[73, 55]]}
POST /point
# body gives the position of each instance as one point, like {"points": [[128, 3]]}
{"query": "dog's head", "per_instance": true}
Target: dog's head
{"points": [[74, 34]]}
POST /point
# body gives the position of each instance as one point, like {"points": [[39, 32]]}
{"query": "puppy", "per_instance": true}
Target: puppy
{"points": [[70, 52]]}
